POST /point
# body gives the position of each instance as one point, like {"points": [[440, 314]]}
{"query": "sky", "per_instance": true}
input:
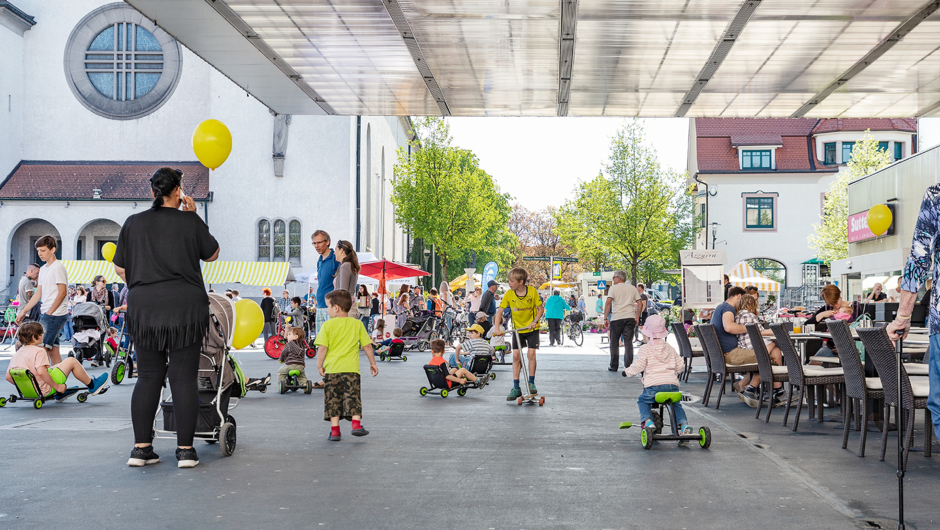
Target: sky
{"points": [[540, 160]]}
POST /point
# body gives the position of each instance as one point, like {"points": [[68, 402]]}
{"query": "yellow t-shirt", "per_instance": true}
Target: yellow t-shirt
{"points": [[343, 337], [523, 309]]}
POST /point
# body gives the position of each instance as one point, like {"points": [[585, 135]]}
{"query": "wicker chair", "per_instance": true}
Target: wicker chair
{"points": [[685, 350], [913, 393], [717, 367], [803, 376], [769, 372], [858, 388]]}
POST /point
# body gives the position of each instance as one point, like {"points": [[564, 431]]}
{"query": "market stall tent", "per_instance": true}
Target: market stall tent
{"points": [[742, 275], [84, 271]]}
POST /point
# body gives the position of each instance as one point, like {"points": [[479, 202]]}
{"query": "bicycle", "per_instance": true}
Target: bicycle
{"points": [[275, 343], [571, 328]]}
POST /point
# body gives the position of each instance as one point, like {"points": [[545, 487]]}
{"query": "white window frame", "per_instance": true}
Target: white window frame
{"points": [[773, 156]]}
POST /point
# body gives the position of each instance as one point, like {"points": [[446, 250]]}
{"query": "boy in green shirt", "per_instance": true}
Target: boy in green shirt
{"points": [[338, 343], [527, 309]]}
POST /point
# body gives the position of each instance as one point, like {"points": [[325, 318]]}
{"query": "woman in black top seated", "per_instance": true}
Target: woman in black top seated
{"points": [[158, 254]]}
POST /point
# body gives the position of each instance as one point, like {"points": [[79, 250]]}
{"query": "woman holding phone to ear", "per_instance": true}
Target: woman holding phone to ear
{"points": [[158, 255]]}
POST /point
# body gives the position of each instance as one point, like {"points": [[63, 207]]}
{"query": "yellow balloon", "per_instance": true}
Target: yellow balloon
{"points": [[249, 321], [107, 251], [879, 219], [212, 143]]}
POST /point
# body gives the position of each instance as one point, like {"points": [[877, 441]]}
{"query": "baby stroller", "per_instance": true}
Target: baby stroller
{"points": [[91, 326], [418, 331], [220, 381]]}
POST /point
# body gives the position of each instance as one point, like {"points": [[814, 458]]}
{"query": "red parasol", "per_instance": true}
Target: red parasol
{"points": [[383, 270], [389, 270]]}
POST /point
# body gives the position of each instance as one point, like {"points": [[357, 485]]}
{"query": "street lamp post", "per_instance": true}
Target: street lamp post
{"points": [[498, 232], [714, 234]]}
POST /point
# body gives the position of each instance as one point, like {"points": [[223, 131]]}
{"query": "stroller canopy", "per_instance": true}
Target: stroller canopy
{"points": [[93, 310]]}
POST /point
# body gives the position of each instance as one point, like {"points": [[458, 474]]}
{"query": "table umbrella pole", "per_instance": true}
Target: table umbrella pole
{"points": [[901, 431]]}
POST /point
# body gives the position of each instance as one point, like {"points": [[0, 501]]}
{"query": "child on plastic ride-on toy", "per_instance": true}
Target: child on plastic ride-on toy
{"points": [[454, 375], [291, 375], [660, 364], [51, 380]]}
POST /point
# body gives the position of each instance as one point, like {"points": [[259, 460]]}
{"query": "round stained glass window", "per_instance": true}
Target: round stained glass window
{"points": [[119, 64]]}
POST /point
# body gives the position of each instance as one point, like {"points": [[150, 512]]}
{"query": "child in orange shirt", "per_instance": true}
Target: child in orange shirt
{"points": [[455, 375]]}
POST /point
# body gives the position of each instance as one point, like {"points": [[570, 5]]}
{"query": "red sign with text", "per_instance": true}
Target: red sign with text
{"points": [[858, 227]]}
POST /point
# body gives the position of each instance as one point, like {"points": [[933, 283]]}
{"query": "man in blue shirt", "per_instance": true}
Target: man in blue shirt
{"points": [[326, 269], [925, 255]]}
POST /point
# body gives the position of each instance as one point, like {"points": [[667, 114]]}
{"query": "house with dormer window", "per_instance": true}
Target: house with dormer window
{"points": [[761, 182]]}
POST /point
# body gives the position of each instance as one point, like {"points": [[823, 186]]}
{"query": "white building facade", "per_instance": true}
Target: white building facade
{"points": [[94, 96], [762, 182]]}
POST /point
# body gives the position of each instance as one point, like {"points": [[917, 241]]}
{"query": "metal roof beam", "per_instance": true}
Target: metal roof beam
{"points": [[567, 28], [893, 38], [245, 30], [404, 29], [718, 55]]}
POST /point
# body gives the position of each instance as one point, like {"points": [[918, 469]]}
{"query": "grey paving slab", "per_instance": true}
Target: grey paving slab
{"points": [[471, 462]]}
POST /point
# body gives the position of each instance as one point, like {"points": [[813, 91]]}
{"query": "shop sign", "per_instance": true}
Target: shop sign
{"points": [[858, 227]]}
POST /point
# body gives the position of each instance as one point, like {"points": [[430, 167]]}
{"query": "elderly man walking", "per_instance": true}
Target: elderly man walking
{"points": [[925, 255], [620, 305]]}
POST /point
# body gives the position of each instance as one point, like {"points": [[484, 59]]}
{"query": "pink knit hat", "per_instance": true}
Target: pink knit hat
{"points": [[655, 327]]}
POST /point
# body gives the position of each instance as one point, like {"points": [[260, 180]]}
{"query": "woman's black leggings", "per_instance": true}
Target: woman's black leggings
{"points": [[153, 369]]}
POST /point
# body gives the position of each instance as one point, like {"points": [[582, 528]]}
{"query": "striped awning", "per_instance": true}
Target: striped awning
{"points": [[84, 271], [247, 273], [743, 275]]}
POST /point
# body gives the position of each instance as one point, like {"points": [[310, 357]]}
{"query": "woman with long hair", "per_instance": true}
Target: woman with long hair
{"points": [[347, 275], [402, 305], [158, 254], [100, 295], [364, 303]]}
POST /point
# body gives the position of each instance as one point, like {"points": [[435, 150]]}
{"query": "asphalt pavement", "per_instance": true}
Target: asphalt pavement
{"points": [[462, 462]]}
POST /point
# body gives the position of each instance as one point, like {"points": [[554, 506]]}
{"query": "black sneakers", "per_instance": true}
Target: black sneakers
{"points": [[186, 457], [142, 456]]}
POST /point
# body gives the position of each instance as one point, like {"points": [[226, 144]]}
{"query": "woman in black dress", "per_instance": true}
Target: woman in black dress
{"points": [[158, 254]]}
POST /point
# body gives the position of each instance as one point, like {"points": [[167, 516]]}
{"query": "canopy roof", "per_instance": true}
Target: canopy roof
{"points": [[243, 272], [742, 275], [247, 272], [756, 58], [84, 271]]}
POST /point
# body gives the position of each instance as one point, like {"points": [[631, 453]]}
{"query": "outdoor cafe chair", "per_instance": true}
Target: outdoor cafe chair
{"points": [[803, 376], [859, 390], [685, 350], [769, 372], [717, 367], [914, 392]]}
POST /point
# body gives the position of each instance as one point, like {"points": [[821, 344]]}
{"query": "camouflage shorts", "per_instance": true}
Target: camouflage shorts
{"points": [[341, 396]]}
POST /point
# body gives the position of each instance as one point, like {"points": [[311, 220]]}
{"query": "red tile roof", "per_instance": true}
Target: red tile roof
{"points": [[717, 139], [70, 180], [862, 124]]}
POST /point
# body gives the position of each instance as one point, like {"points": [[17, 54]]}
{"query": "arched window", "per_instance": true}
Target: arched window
{"points": [[264, 240], [280, 240], [293, 241]]}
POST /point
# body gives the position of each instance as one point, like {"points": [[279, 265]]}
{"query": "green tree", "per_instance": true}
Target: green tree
{"points": [[442, 195], [830, 237], [630, 213]]}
